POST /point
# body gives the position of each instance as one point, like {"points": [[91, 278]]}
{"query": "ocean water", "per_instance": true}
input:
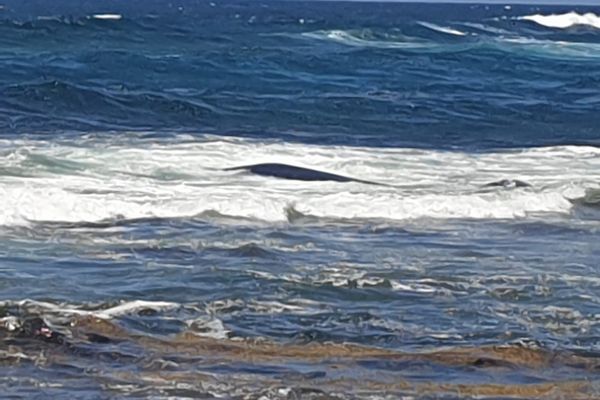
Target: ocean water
{"points": [[133, 265]]}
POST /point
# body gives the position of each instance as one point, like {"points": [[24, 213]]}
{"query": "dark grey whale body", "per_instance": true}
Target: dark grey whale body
{"points": [[286, 171], [508, 183]]}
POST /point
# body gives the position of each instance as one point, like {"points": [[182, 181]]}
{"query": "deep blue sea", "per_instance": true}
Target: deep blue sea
{"points": [[134, 265]]}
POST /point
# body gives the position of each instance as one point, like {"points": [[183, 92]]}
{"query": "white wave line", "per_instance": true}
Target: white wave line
{"points": [[442, 29], [107, 16], [563, 21]]}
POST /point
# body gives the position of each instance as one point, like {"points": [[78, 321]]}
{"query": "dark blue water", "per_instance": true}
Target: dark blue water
{"points": [[133, 265], [249, 69]]}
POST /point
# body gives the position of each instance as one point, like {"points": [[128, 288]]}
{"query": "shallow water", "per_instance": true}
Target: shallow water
{"points": [[133, 265]]}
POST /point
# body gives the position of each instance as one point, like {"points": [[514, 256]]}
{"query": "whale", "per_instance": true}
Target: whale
{"points": [[508, 183], [286, 171]]}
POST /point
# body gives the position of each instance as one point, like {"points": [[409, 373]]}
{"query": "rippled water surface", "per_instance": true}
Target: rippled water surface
{"points": [[133, 264]]}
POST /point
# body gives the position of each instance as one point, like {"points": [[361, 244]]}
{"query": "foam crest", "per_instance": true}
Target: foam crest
{"points": [[487, 28], [208, 326], [107, 16], [442, 29], [564, 21], [494, 38], [552, 48], [96, 181], [127, 307], [363, 39]]}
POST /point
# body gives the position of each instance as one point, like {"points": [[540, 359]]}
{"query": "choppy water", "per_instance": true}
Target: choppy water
{"points": [[133, 265]]}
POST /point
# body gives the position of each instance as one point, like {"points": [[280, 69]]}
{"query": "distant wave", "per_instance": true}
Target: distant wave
{"points": [[70, 100], [442, 29], [487, 28], [554, 48], [544, 48], [92, 21], [107, 16], [563, 21], [58, 18], [366, 38]]}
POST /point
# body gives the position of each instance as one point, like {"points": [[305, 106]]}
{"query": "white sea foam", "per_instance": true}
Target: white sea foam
{"points": [[487, 28], [107, 16], [208, 326], [275, 307], [9, 323], [554, 48], [442, 29], [133, 306], [122, 309], [352, 38], [563, 21], [411, 287], [501, 40], [98, 180]]}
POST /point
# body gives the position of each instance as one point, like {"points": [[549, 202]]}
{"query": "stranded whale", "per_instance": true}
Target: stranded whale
{"points": [[286, 171], [508, 183]]}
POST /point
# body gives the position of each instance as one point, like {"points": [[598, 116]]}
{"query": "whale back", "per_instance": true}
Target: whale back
{"points": [[285, 171]]}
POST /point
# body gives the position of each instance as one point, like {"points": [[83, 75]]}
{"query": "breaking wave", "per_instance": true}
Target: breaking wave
{"points": [[367, 38], [442, 29], [95, 181], [499, 40], [564, 21]]}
